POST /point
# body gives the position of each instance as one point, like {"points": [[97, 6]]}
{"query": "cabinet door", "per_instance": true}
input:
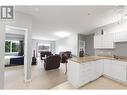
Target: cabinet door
{"points": [[73, 72], [107, 67], [121, 36], [108, 41], [87, 72], [93, 74], [95, 70], [99, 68], [84, 74], [104, 41], [98, 41], [119, 70]]}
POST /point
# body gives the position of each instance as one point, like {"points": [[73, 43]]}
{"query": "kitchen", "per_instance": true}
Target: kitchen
{"points": [[109, 44]]}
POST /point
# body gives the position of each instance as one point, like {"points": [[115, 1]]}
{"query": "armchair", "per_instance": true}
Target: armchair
{"points": [[52, 62]]}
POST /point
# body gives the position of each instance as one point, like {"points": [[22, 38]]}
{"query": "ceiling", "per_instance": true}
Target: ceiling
{"points": [[47, 20]]}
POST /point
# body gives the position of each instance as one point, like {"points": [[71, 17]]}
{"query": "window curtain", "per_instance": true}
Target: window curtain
{"points": [[52, 46], [21, 48]]}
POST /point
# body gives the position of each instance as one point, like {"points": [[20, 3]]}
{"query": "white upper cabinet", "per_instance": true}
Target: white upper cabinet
{"points": [[98, 41], [107, 40], [120, 36], [104, 41]]}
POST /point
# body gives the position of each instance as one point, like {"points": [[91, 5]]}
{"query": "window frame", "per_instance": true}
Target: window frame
{"points": [[11, 41], [43, 44]]}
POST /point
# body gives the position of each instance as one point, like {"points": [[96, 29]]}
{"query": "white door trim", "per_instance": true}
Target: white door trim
{"points": [[27, 65]]}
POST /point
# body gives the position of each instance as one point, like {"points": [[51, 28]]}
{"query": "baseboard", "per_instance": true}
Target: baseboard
{"points": [[122, 82]]}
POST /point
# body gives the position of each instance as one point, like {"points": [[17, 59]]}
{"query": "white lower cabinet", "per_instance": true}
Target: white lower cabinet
{"points": [[99, 68], [82, 73], [119, 70], [73, 72], [107, 67], [116, 69]]}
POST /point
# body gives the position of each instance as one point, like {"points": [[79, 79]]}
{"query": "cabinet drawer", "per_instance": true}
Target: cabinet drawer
{"points": [[85, 64], [84, 74], [87, 69]]}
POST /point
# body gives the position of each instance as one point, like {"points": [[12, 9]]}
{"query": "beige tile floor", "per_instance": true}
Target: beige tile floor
{"points": [[41, 79], [102, 83]]}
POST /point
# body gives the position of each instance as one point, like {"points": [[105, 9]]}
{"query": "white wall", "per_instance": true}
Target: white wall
{"points": [[34, 47], [40, 30], [68, 44], [13, 37], [2, 48]]}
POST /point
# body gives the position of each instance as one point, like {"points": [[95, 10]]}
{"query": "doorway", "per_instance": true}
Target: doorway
{"points": [[16, 56]]}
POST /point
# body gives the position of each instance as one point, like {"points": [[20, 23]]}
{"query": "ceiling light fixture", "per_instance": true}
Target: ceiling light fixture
{"points": [[62, 34], [36, 9]]}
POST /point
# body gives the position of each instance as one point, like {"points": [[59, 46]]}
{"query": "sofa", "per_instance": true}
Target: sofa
{"points": [[19, 60], [52, 62], [45, 53]]}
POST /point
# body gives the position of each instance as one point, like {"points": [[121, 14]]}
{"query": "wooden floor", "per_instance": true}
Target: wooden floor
{"points": [[53, 79], [41, 79], [102, 83]]}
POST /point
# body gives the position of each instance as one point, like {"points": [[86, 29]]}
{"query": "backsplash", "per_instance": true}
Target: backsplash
{"points": [[119, 50]]}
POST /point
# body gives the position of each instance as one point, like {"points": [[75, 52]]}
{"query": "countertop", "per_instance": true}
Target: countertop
{"points": [[94, 58]]}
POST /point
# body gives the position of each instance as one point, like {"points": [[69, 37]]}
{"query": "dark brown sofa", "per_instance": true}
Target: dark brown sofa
{"points": [[45, 53], [52, 62]]}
